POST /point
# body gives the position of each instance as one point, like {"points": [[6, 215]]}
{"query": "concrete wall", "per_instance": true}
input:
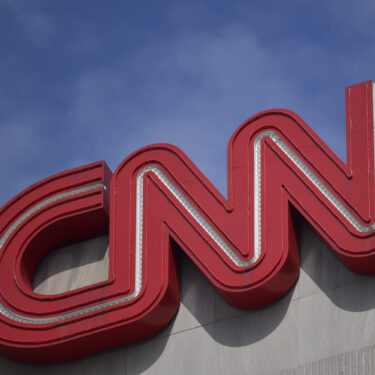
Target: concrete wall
{"points": [[324, 325]]}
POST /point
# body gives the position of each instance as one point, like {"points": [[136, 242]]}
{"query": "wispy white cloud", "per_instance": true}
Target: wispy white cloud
{"points": [[357, 16], [191, 87], [193, 91], [28, 19]]}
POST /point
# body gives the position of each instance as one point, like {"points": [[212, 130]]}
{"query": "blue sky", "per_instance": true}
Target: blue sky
{"points": [[82, 81]]}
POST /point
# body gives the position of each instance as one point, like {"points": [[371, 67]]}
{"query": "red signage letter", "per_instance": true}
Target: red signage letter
{"points": [[245, 244]]}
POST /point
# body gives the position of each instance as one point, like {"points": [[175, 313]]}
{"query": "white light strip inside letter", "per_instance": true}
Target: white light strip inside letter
{"points": [[194, 214]]}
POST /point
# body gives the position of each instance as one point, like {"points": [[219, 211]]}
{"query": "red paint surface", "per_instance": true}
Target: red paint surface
{"points": [[86, 215]]}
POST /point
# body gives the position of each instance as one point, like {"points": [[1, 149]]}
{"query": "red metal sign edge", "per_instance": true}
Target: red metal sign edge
{"points": [[245, 244]]}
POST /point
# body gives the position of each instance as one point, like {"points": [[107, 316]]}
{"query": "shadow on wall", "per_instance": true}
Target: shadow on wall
{"points": [[207, 306], [320, 271], [73, 266], [201, 305], [329, 275]]}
